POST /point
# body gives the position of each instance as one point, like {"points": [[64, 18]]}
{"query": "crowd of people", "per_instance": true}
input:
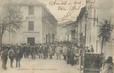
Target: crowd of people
{"points": [[60, 51], [66, 51]]}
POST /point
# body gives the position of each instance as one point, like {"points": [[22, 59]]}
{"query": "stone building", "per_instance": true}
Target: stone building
{"points": [[39, 24], [89, 19]]}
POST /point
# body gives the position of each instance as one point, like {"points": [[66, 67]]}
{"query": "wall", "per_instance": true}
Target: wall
{"points": [[48, 26], [20, 36]]}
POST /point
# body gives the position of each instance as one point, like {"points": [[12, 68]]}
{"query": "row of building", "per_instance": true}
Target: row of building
{"points": [[84, 31], [40, 26]]}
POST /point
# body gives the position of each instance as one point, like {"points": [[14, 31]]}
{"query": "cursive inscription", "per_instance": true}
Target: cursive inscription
{"points": [[70, 6], [72, 9], [56, 2]]}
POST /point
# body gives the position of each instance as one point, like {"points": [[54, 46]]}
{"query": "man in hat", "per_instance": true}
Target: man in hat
{"points": [[11, 55], [4, 57]]}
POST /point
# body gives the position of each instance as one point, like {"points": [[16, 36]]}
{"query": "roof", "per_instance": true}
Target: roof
{"points": [[65, 23], [27, 3], [70, 23], [81, 14], [52, 19]]}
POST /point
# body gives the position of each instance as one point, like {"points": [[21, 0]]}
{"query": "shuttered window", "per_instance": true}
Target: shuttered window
{"points": [[31, 25], [31, 10]]}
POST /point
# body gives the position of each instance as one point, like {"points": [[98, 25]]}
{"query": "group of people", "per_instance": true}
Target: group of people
{"points": [[59, 51], [68, 52], [87, 49], [11, 52]]}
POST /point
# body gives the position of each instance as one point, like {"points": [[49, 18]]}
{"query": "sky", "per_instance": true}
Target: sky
{"points": [[108, 10], [70, 8], [69, 12], [59, 14]]}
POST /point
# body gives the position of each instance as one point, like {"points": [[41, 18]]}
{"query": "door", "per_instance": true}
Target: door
{"points": [[31, 40]]}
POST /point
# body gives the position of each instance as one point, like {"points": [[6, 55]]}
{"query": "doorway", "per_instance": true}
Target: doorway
{"points": [[31, 40]]}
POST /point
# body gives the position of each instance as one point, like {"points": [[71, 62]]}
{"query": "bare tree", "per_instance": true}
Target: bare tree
{"points": [[10, 19], [105, 30]]}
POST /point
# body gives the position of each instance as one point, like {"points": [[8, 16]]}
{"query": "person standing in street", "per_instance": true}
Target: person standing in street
{"points": [[58, 52], [65, 52], [11, 55], [4, 57], [109, 65], [91, 48], [87, 49], [72, 54], [45, 51], [68, 54], [50, 51], [18, 56]]}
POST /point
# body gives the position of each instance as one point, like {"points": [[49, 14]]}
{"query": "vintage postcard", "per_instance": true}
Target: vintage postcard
{"points": [[56, 36]]}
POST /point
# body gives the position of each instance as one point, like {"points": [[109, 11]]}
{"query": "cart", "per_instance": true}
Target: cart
{"points": [[92, 63]]}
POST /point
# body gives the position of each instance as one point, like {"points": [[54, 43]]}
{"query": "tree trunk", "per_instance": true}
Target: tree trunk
{"points": [[102, 44], [0, 40]]}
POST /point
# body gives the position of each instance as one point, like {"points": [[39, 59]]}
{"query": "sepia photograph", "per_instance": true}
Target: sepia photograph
{"points": [[56, 36]]}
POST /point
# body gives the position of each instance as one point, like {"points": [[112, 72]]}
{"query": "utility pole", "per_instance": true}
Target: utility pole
{"points": [[86, 17], [82, 51]]}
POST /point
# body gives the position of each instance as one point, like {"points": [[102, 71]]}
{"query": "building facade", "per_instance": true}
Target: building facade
{"points": [[88, 23], [39, 25], [61, 33], [68, 32], [71, 32]]}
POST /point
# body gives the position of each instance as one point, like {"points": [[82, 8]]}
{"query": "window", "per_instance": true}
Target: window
{"points": [[30, 25], [46, 38], [31, 10], [53, 37]]}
